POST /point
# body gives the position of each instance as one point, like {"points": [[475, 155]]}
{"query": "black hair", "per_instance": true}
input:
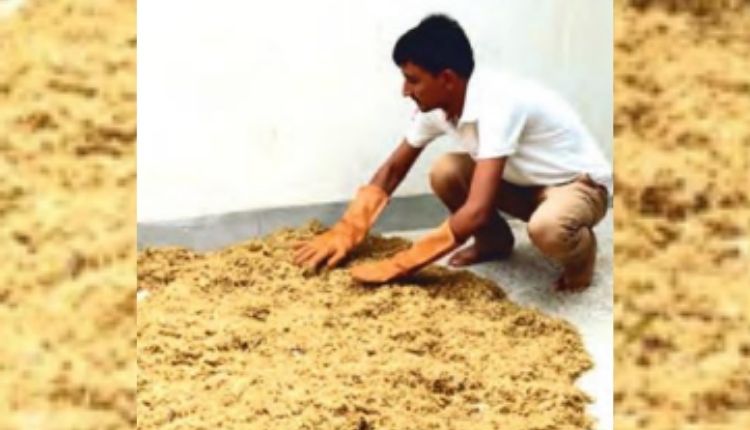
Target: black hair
{"points": [[436, 44]]}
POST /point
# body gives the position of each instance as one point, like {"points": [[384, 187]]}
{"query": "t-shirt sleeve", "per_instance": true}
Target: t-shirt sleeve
{"points": [[500, 128], [423, 129]]}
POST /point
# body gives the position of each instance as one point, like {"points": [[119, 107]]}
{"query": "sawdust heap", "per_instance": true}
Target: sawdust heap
{"points": [[67, 215], [682, 217], [240, 338]]}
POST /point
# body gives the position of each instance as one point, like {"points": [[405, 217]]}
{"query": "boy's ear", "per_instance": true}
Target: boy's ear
{"points": [[448, 77]]}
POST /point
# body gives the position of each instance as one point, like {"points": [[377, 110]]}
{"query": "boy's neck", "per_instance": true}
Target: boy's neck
{"points": [[455, 106]]}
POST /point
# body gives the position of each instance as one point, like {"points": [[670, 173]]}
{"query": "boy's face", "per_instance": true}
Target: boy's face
{"points": [[427, 90]]}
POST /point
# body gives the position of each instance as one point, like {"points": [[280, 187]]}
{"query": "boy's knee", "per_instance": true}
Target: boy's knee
{"points": [[550, 235], [446, 173]]}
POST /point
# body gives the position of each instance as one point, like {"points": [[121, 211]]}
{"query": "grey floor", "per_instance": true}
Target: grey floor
{"points": [[527, 278]]}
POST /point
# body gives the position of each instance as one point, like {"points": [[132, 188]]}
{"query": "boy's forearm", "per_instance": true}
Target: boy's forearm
{"points": [[388, 178], [479, 208], [394, 170], [467, 220]]}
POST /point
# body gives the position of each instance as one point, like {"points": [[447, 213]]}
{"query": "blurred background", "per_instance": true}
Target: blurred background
{"points": [[67, 214]]}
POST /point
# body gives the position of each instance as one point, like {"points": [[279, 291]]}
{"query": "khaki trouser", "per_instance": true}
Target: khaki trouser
{"points": [[559, 218]]}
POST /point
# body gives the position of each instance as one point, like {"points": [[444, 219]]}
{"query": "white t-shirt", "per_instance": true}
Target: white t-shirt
{"points": [[544, 140]]}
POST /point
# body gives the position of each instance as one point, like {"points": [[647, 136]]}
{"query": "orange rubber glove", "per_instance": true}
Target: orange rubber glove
{"points": [[332, 246], [436, 244]]}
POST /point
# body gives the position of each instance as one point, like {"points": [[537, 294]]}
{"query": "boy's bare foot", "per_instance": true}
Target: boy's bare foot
{"points": [[479, 252], [573, 284], [578, 277]]}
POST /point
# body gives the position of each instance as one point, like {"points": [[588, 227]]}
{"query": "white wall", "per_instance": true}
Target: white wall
{"points": [[246, 105]]}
